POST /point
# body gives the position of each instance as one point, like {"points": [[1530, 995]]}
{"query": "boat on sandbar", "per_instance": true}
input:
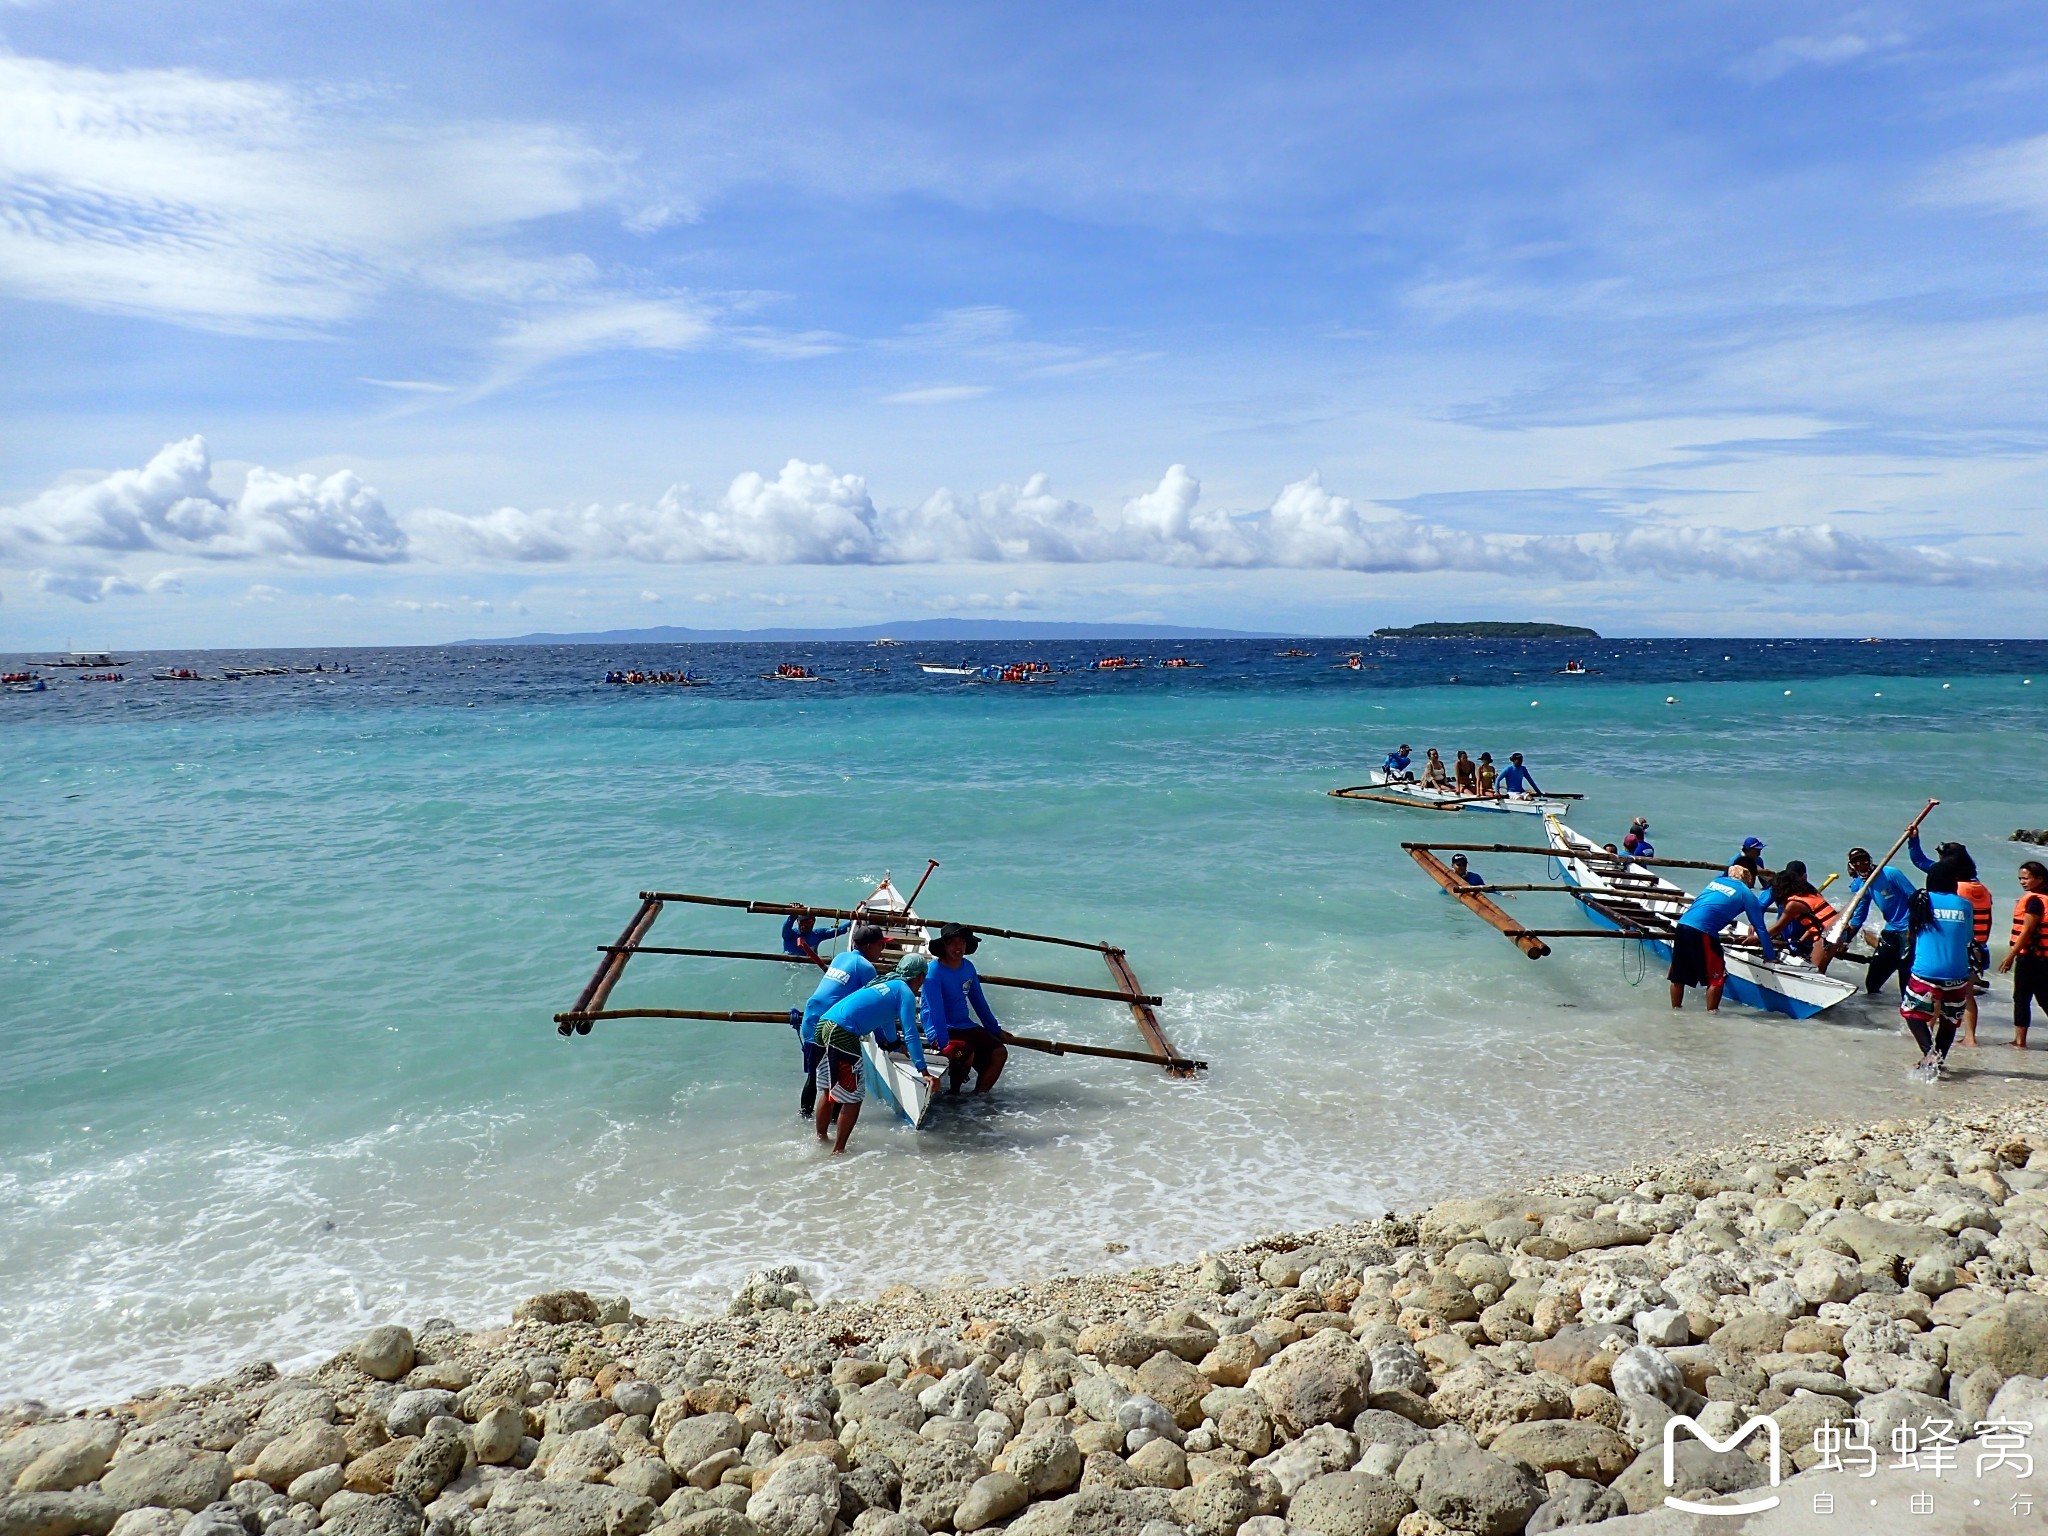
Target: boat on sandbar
{"points": [[1387, 790]]}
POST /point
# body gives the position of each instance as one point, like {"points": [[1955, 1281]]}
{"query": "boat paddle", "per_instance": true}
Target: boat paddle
{"points": [[929, 866], [1838, 930]]}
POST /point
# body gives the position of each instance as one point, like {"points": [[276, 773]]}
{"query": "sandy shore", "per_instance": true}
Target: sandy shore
{"points": [[1495, 1363]]}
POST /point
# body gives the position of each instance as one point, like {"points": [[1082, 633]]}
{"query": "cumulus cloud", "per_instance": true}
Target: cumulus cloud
{"points": [[810, 515], [96, 586], [170, 506]]}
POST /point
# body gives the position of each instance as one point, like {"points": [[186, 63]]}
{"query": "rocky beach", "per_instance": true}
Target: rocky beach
{"points": [[1490, 1365]]}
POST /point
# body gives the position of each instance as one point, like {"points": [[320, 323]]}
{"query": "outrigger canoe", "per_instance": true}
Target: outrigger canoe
{"points": [[890, 1076], [1624, 896], [1391, 791]]}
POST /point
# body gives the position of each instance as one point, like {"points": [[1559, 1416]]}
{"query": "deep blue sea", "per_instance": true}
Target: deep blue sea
{"points": [[279, 957]]}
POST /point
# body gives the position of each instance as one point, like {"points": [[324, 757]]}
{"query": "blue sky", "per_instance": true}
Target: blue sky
{"points": [[382, 323]]}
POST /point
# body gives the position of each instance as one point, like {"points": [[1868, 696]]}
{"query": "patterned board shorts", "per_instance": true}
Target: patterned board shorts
{"points": [[839, 1073], [1926, 1002]]}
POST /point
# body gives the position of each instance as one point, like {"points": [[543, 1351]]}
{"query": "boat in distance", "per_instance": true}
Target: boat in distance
{"points": [[1387, 790]]}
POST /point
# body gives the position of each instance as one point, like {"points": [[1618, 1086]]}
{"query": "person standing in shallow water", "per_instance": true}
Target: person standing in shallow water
{"points": [[847, 973], [2027, 958], [1696, 958], [1939, 924], [957, 1020]]}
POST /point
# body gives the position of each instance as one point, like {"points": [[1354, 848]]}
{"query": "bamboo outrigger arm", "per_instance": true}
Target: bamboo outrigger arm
{"points": [[1020, 983], [852, 914], [1603, 856], [1528, 943], [1173, 1061]]}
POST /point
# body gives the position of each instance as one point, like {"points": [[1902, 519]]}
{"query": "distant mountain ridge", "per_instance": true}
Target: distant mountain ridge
{"points": [[908, 629]]}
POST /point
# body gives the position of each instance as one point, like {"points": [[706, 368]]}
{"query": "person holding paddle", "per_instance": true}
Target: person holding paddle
{"points": [[1893, 894], [1939, 924]]}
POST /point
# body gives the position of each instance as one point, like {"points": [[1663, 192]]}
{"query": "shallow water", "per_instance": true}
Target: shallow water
{"points": [[280, 957]]}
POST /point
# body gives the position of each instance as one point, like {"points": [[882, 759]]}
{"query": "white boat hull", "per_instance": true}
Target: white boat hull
{"points": [[1464, 800], [892, 1079], [1787, 985]]}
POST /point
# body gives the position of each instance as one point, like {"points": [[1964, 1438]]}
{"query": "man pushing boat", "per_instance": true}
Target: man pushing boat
{"points": [[1696, 958], [958, 1021], [846, 974], [885, 1009]]}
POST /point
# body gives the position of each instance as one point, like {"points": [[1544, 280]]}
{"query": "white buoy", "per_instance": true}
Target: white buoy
{"points": [[1788, 693], [1945, 685], [1534, 702], [1879, 694], [1670, 698]]}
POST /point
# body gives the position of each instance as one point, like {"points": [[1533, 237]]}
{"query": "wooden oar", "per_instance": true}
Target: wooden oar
{"points": [[1839, 929]]}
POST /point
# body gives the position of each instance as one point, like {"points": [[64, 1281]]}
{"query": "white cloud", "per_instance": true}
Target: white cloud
{"points": [[262, 592], [2010, 177], [936, 394], [598, 324], [650, 596], [170, 505], [1785, 54], [248, 204], [87, 585], [809, 515]]}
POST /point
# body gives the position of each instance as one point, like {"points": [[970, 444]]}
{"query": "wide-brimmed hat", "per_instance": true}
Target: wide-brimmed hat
{"points": [[957, 931]]}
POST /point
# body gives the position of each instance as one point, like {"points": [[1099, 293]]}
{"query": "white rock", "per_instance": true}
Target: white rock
{"points": [[1663, 1327]]}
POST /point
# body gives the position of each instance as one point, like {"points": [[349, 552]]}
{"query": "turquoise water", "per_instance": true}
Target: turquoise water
{"points": [[279, 1057]]}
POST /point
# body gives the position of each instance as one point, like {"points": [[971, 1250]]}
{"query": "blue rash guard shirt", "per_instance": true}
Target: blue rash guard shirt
{"points": [[1941, 949], [1720, 903], [874, 1009], [795, 943], [949, 994], [1397, 762], [1894, 893], [847, 973], [1517, 779]]}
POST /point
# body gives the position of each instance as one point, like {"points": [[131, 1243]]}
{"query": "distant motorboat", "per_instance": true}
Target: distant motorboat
{"points": [[97, 661], [933, 669]]}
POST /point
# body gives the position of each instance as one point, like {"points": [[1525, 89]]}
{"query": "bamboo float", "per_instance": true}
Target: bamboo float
{"points": [[609, 971], [765, 1016], [1530, 944], [1020, 983]]}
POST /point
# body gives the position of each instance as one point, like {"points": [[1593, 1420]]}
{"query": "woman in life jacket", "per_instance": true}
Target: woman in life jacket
{"points": [[1803, 926], [2027, 958]]}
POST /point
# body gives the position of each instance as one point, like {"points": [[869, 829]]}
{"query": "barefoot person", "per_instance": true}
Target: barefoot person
{"points": [[1466, 772], [1892, 892], [1978, 895], [847, 973], [1696, 958], [1518, 780], [1938, 928], [957, 1019], [878, 1009], [1398, 767], [1487, 774], [2027, 958], [957, 1016], [1434, 774]]}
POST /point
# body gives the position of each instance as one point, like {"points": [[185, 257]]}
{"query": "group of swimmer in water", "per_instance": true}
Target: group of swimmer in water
{"points": [[1464, 776], [933, 1001], [1936, 939]]}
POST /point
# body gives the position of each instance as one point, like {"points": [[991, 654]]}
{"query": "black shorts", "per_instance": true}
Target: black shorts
{"points": [[1696, 959]]}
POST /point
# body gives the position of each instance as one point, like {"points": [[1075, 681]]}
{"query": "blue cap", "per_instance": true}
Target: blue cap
{"points": [[1752, 845]]}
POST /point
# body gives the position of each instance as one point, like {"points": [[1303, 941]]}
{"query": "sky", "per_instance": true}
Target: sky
{"points": [[387, 324]]}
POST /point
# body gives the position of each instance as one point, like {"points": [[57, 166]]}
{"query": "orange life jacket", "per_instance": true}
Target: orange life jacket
{"points": [[1812, 909], [1978, 895], [2038, 949]]}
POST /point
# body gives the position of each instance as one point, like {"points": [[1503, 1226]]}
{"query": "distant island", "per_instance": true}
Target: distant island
{"points": [[1488, 631], [906, 630]]}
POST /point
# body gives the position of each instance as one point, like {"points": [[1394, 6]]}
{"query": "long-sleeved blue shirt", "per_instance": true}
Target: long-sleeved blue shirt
{"points": [[1723, 900], [1922, 859], [1517, 779], [1397, 762], [795, 942], [1941, 949], [1894, 895], [847, 973], [953, 1001], [874, 1009]]}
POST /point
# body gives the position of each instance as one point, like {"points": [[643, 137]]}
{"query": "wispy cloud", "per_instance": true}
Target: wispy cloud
{"points": [[1824, 50], [936, 394], [246, 204], [2012, 178]]}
